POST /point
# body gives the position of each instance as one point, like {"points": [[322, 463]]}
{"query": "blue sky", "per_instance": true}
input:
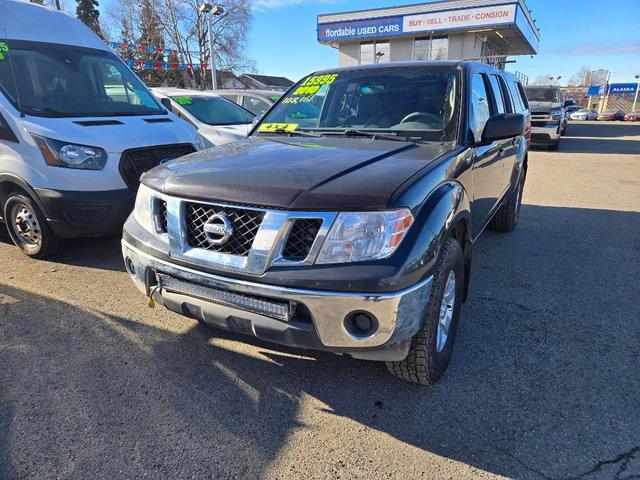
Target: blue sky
{"points": [[575, 33]]}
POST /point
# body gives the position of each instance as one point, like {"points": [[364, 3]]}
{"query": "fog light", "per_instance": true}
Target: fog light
{"points": [[361, 324], [129, 265]]}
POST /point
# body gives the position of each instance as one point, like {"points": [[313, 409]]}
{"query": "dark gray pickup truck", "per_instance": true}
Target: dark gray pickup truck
{"points": [[346, 221]]}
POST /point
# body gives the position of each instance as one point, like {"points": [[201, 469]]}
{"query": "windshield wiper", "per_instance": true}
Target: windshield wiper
{"points": [[394, 136], [47, 110], [300, 133]]}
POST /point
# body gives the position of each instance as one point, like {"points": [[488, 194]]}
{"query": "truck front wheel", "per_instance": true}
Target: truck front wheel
{"points": [[28, 227], [432, 346]]}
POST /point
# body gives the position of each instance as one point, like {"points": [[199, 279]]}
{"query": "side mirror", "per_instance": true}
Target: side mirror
{"points": [[568, 103], [166, 103], [257, 118], [503, 125]]}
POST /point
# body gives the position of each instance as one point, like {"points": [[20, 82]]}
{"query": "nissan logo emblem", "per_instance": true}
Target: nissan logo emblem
{"points": [[218, 229]]}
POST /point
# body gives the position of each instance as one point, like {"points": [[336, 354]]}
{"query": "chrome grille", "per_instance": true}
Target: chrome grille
{"points": [[161, 212], [301, 238], [245, 227]]}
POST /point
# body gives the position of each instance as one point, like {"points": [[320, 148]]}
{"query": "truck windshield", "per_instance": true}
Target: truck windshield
{"points": [[412, 101], [542, 94], [214, 110], [49, 80]]}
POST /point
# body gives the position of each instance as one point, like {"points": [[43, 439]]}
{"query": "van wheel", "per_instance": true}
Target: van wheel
{"points": [[28, 228], [431, 348], [506, 218]]}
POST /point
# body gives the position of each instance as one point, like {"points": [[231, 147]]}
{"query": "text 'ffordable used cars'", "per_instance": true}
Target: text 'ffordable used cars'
{"points": [[345, 221]]}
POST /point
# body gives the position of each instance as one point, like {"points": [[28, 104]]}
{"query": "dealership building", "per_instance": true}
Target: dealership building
{"points": [[488, 30]]}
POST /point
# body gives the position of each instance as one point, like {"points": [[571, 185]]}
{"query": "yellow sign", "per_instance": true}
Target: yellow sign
{"points": [[312, 84], [275, 127]]}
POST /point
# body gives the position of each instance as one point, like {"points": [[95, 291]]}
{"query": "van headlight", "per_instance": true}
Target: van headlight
{"points": [[556, 113], [70, 155], [143, 210], [362, 236]]}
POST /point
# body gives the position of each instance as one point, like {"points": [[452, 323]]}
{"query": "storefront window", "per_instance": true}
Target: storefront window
{"points": [[374, 52], [421, 49], [382, 52], [439, 48], [431, 49], [367, 53]]}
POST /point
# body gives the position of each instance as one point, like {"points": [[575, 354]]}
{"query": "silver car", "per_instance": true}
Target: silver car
{"points": [[256, 101], [584, 114]]}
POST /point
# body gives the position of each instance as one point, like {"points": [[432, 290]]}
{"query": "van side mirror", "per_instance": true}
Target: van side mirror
{"points": [[503, 125], [166, 103]]}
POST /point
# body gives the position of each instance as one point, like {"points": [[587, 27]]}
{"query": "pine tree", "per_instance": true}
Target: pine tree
{"points": [[87, 12]]}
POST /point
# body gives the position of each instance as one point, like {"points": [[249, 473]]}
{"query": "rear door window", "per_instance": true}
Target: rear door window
{"points": [[497, 94], [255, 105]]}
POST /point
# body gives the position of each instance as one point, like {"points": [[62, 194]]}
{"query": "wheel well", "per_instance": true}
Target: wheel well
{"points": [[461, 233], [6, 189]]}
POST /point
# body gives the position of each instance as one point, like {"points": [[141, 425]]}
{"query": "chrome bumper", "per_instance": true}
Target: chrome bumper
{"points": [[550, 130], [399, 314]]}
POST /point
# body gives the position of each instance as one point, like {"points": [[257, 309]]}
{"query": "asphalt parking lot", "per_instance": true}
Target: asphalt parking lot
{"points": [[544, 382]]}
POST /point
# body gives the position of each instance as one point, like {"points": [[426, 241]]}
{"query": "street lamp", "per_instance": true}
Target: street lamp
{"points": [[635, 99], [213, 11]]}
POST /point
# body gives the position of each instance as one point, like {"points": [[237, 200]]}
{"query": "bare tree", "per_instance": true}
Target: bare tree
{"points": [[187, 28], [582, 78]]}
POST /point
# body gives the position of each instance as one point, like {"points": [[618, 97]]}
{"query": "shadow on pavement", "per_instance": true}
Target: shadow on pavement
{"points": [[544, 380], [602, 137], [102, 253]]}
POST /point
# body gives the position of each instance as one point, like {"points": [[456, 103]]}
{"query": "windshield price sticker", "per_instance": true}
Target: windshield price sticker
{"points": [[312, 84], [275, 127], [183, 100], [3, 48]]}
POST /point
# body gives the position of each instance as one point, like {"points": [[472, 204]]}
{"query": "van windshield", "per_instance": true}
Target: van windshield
{"points": [[48, 80], [542, 94], [412, 101]]}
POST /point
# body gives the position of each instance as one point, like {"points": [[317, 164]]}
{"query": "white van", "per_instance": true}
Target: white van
{"points": [[218, 119], [77, 129]]}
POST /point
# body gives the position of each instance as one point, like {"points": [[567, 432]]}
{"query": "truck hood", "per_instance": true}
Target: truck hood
{"points": [[296, 173], [543, 107], [114, 134]]}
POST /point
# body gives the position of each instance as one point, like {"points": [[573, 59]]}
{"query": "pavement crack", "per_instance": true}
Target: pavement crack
{"points": [[527, 467], [623, 459]]}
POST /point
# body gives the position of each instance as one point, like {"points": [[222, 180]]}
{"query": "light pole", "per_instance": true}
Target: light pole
{"points": [[635, 99], [213, 12]]}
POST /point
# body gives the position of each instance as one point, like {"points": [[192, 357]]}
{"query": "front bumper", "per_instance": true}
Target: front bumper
{"points": [[317, 320], [545, 134], [86, 213]]}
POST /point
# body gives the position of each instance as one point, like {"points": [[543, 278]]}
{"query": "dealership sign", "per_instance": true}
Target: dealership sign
{"points": [[424, 22], [622, 88]]}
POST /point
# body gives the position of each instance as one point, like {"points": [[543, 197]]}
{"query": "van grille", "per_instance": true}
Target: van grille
{"points": [[246, 224], [134, 162]]}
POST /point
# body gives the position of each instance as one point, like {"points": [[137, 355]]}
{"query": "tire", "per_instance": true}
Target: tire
{"points": [[28, 228], [554, 146], [506, 218], [430, 351]]}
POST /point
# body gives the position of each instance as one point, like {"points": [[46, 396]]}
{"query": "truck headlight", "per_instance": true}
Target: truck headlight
{"points": [[556, 113], [143, 210], [70, 155], [361, 236]]}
